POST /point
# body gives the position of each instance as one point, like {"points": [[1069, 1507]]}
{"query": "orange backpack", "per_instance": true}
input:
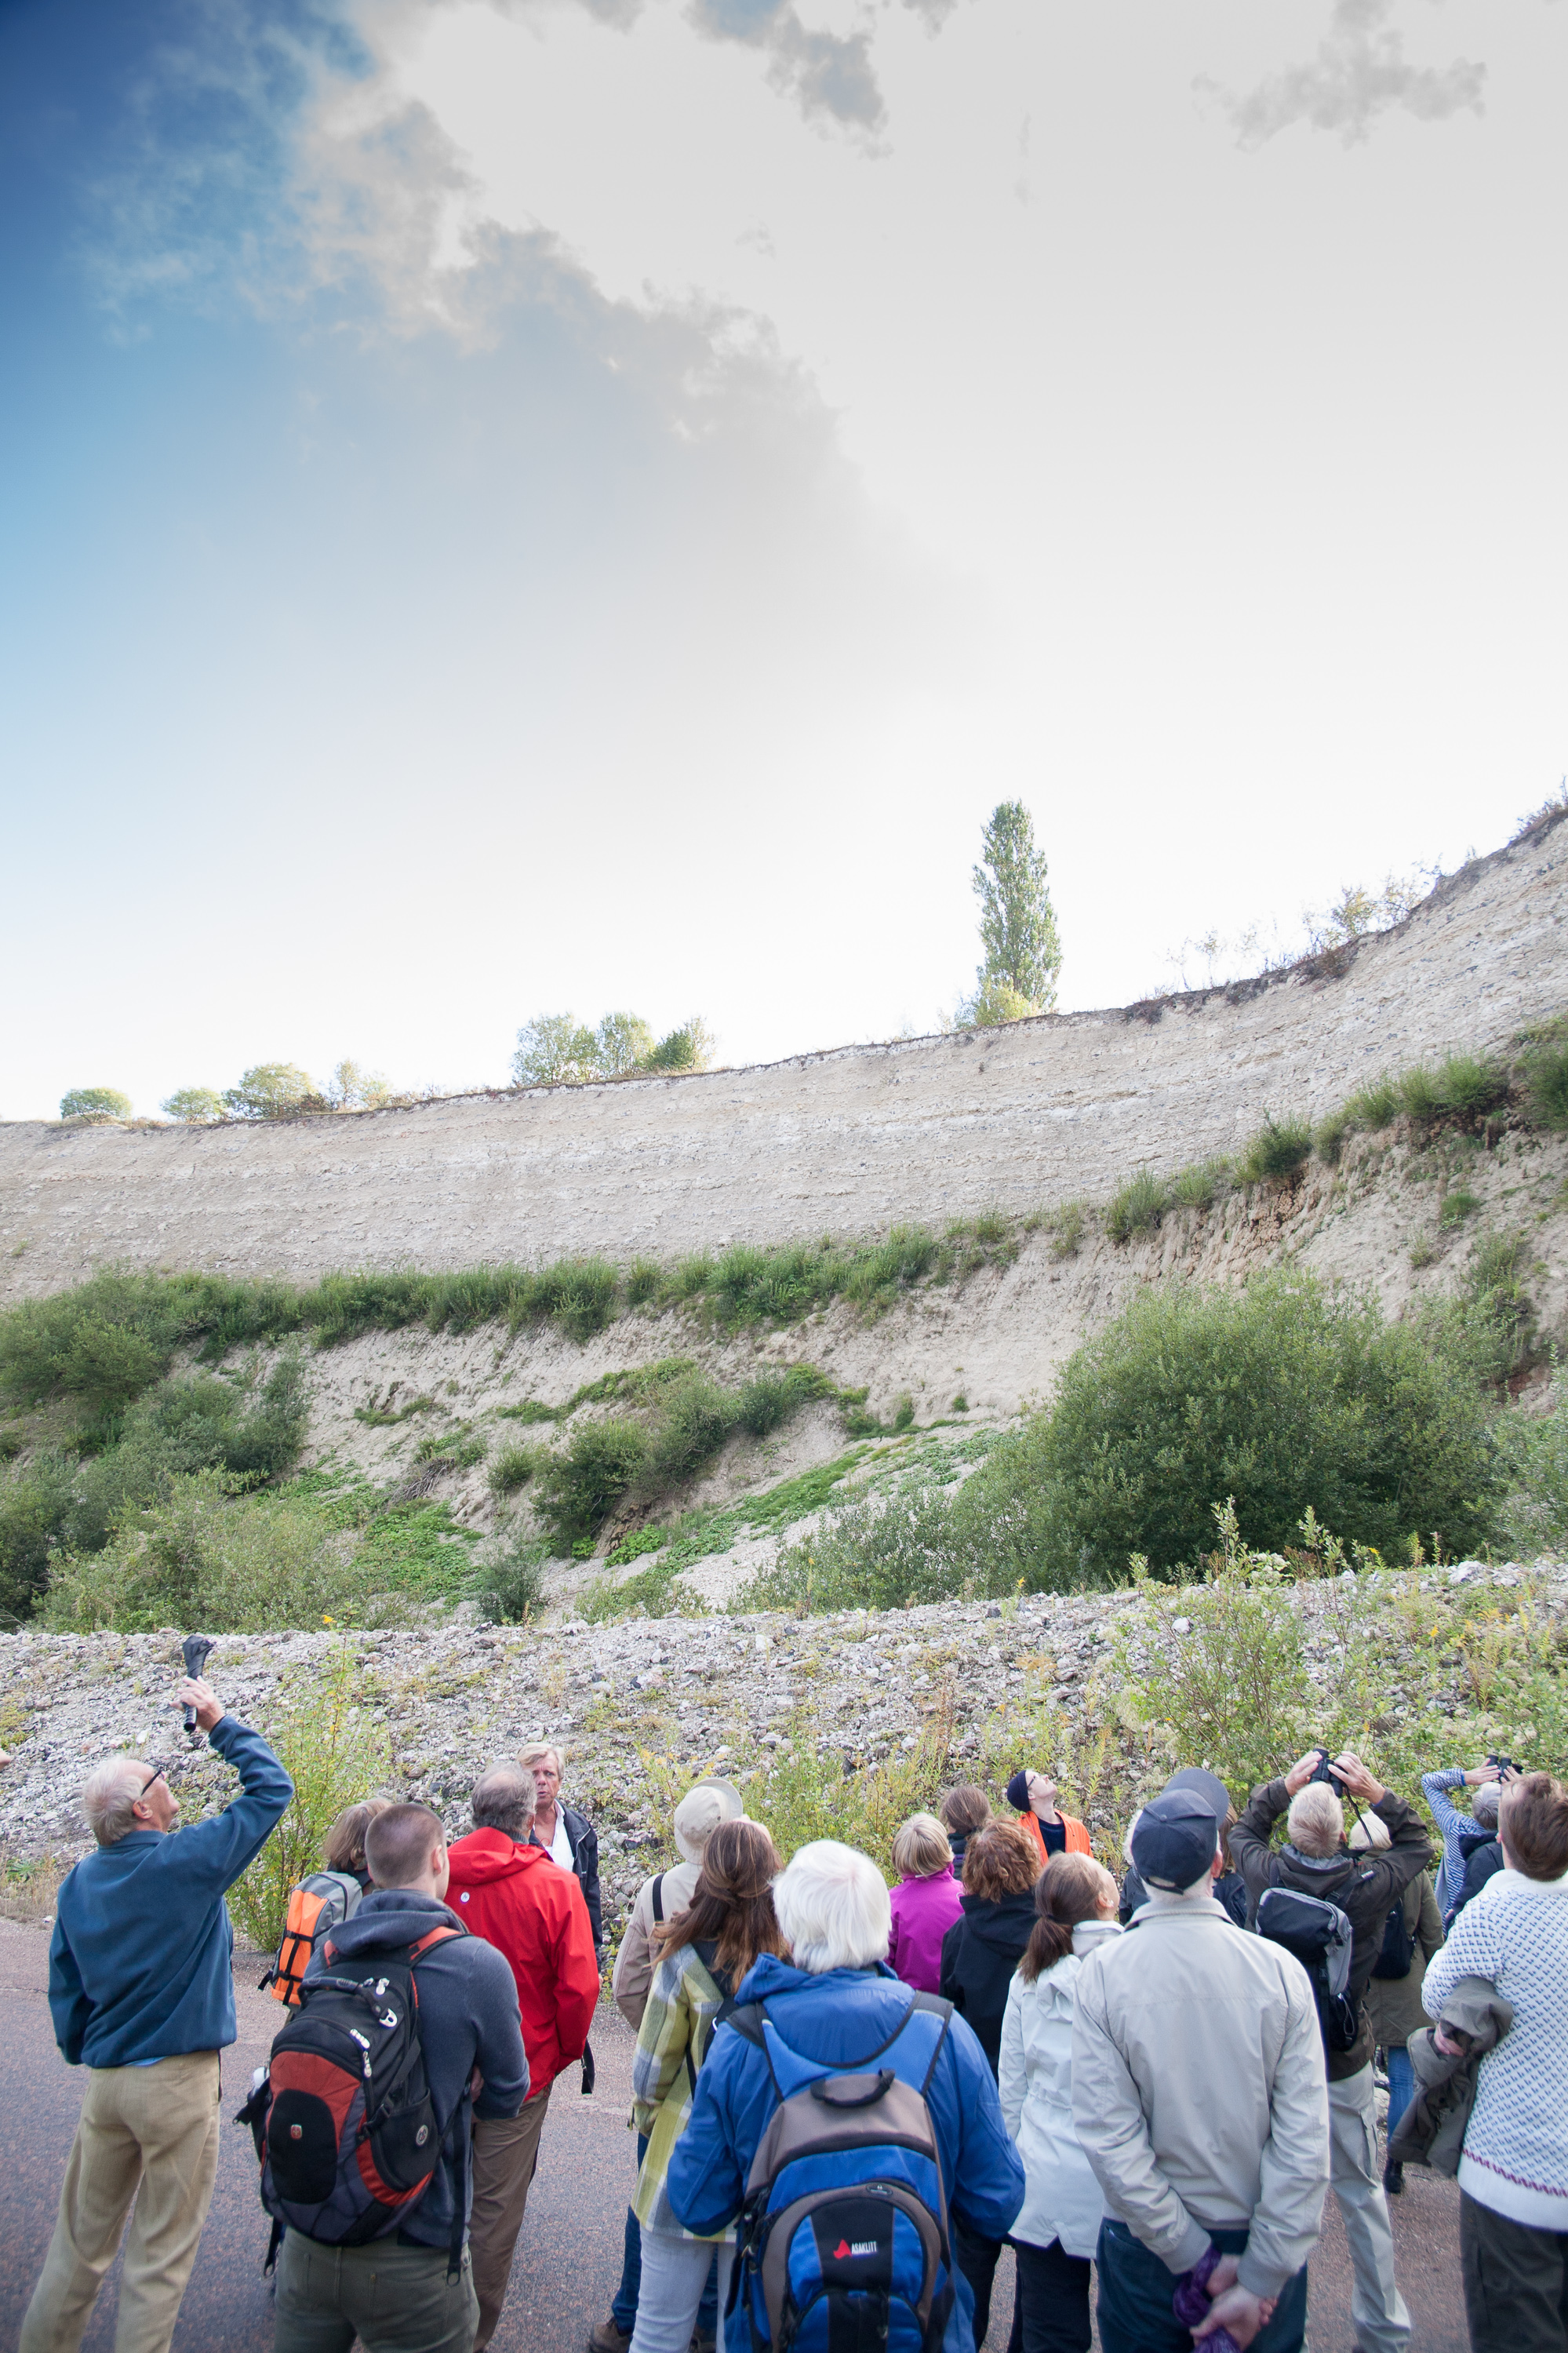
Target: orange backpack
{"points": [[323, 1901]]}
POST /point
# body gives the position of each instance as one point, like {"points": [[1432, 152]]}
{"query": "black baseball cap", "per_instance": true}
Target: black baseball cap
{"points": [[1207, 1786], [1175, 1840]]}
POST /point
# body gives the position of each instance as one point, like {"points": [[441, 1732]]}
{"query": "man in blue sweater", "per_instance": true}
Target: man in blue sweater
{"points": [[142, 1994]]}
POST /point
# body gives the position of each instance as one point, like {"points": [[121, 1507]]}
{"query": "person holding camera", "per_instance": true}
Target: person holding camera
{"points": [[140, 1992], [1317, 1861], [1462, 1834]]}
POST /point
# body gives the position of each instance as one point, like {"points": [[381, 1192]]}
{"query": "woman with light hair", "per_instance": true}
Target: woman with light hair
{"points": [[925, 1903], [569, 1836]]}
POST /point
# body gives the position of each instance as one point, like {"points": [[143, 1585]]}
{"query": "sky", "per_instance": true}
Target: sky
{"points": [[525, 505]]}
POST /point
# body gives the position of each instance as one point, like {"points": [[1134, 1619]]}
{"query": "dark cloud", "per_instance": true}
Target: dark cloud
{"points": [[1358, 73]]}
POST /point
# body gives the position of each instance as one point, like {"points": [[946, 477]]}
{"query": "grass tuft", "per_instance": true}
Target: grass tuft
{"points": [[1277, 1152], [1137, 1207]]}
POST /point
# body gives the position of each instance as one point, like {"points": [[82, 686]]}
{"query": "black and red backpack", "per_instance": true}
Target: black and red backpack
{"points": [[343, 2120]]}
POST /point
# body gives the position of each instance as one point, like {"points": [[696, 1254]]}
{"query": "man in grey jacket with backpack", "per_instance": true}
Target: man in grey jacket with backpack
{"points": [[410, 2290], [1365, 1886]]}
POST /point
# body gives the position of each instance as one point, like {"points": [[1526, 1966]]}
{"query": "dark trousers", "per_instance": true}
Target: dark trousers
{"points": [[977, 2259], [1053, 2295], [1136, 2291], [1516, 2282], [624, 2307]]}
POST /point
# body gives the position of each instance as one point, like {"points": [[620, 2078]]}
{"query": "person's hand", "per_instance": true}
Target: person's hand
{"points": [[1236, 2309], [1225, 2275], [1353, 1774], [195, 1692], [1449, 2050], [1479, 1773], [1513, 1773], [1301, 1772]]}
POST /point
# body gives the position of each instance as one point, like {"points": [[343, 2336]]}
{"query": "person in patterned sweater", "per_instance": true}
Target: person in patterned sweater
{"points": [[1513, 2175]]}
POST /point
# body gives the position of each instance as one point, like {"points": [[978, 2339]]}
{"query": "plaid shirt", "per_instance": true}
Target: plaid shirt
{"points": [[675, 2030]]}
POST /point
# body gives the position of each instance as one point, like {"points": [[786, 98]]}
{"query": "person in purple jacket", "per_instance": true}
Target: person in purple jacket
{"points": [[925, 1903]]}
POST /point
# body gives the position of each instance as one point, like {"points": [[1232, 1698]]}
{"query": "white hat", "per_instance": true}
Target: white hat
{"points": [[708, 1802]]}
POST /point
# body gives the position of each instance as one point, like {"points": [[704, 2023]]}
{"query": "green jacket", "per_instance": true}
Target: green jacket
{"points": [[1394, 2004], [672, 2040]]}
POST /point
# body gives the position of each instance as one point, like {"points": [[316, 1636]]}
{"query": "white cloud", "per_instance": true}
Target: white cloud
{"points": [[1358, 73]]}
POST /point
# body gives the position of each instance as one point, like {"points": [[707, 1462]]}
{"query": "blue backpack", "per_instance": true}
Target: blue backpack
{"points": [[844, 2237]]}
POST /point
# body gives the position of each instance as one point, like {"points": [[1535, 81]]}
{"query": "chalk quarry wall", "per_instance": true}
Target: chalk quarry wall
{"points": [[845, 1142]]}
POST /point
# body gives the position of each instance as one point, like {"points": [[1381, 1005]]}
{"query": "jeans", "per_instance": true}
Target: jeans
{"points": [[675, 2274], [1516, 2282], [1377, 2308], [149, 2134], [1135, 2292], [1053, 2298], [624, 2308], [977, 2259], [393, 2299], [1401, 2085]]}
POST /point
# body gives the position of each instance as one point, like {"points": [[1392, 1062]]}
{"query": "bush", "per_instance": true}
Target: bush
{"points": [[1468, 1086], [1534, 1514], [95, 1103], [1277, 1152], [1329, 1136], [690, 1048], [1546, 1084], [335, 1756], [513, 1467], [271, 1091], [1137, 1207], [1500, 1314], [1276, 1394], [1373, 1106], [878, 1553], [1201, 1184], [511, 1588], [193, 1106], [206, 1557], [34, 1506]]}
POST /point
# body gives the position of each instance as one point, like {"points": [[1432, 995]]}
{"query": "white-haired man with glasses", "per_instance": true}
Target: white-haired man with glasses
{"points": [[140, 1993]]}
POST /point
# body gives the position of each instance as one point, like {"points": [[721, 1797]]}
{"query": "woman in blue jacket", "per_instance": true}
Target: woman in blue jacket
{"points": [[837, 2008]]}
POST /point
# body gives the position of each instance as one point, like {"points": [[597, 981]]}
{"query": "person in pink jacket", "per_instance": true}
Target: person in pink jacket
{"points": [[925, 1903]]}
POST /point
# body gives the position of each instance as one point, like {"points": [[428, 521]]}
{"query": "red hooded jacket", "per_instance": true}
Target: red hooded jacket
{"points": [[532, 1912]]}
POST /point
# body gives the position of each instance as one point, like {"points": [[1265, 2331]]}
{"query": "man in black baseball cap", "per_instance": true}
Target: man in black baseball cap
{"points": [[1229, 1888], [1199, 2099]]}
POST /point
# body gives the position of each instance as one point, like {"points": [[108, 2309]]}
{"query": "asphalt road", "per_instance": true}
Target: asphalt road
{"points": [[569, 2258]]}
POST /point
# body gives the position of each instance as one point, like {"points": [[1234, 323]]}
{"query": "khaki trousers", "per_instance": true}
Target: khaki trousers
{"points": [[149, 2134], [1377, 2309], [506, 2151]]}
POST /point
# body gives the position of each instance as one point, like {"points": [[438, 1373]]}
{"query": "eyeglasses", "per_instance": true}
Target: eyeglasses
{"points": [[158, 1775]]}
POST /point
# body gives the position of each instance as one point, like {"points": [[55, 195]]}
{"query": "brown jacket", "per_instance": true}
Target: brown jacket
{"points": [[1394, 2004]]}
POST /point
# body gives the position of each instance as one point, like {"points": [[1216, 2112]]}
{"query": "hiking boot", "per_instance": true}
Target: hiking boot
{"points": [[1393, 2179], [608, 2338]]}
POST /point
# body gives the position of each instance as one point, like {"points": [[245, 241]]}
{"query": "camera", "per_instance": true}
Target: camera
{"points": [[1321, 1771]]}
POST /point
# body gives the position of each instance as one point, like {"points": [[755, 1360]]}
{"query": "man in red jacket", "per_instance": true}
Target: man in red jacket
{"points": [[532, 1912]]}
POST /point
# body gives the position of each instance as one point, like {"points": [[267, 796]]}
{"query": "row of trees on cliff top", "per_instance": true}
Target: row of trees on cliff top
{"points": [[1017, 977]]}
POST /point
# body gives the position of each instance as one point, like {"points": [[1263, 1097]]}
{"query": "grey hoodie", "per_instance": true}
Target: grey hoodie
{"points": [[468, 2019]]}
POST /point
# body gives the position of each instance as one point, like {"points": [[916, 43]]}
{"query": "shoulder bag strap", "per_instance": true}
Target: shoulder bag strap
{"points": [[656, 1897]]}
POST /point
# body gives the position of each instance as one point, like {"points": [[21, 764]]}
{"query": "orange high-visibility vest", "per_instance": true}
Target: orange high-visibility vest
{"points": [[1077, 1837]]}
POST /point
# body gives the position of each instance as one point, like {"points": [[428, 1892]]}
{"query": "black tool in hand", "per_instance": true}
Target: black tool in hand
{"points": [[193, 1649]]}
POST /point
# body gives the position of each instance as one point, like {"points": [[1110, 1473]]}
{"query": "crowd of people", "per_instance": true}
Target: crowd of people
{"points": [[846, 2099]]}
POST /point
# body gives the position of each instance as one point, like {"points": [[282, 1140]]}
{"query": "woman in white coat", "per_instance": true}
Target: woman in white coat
{"points": [[1058, 2222]]}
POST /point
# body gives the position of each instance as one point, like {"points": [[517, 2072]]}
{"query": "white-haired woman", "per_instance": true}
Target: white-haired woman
{"points": [[839, 2008], [570, 1836]]}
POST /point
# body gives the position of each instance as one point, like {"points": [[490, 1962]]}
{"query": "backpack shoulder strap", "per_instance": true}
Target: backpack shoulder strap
{"points": [[656, 1897], [439, 1936], [935, 2006]]}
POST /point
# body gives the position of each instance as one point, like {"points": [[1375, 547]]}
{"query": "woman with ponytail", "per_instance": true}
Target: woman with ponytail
{"points": [[701, 1957], [1058, 2222]]}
